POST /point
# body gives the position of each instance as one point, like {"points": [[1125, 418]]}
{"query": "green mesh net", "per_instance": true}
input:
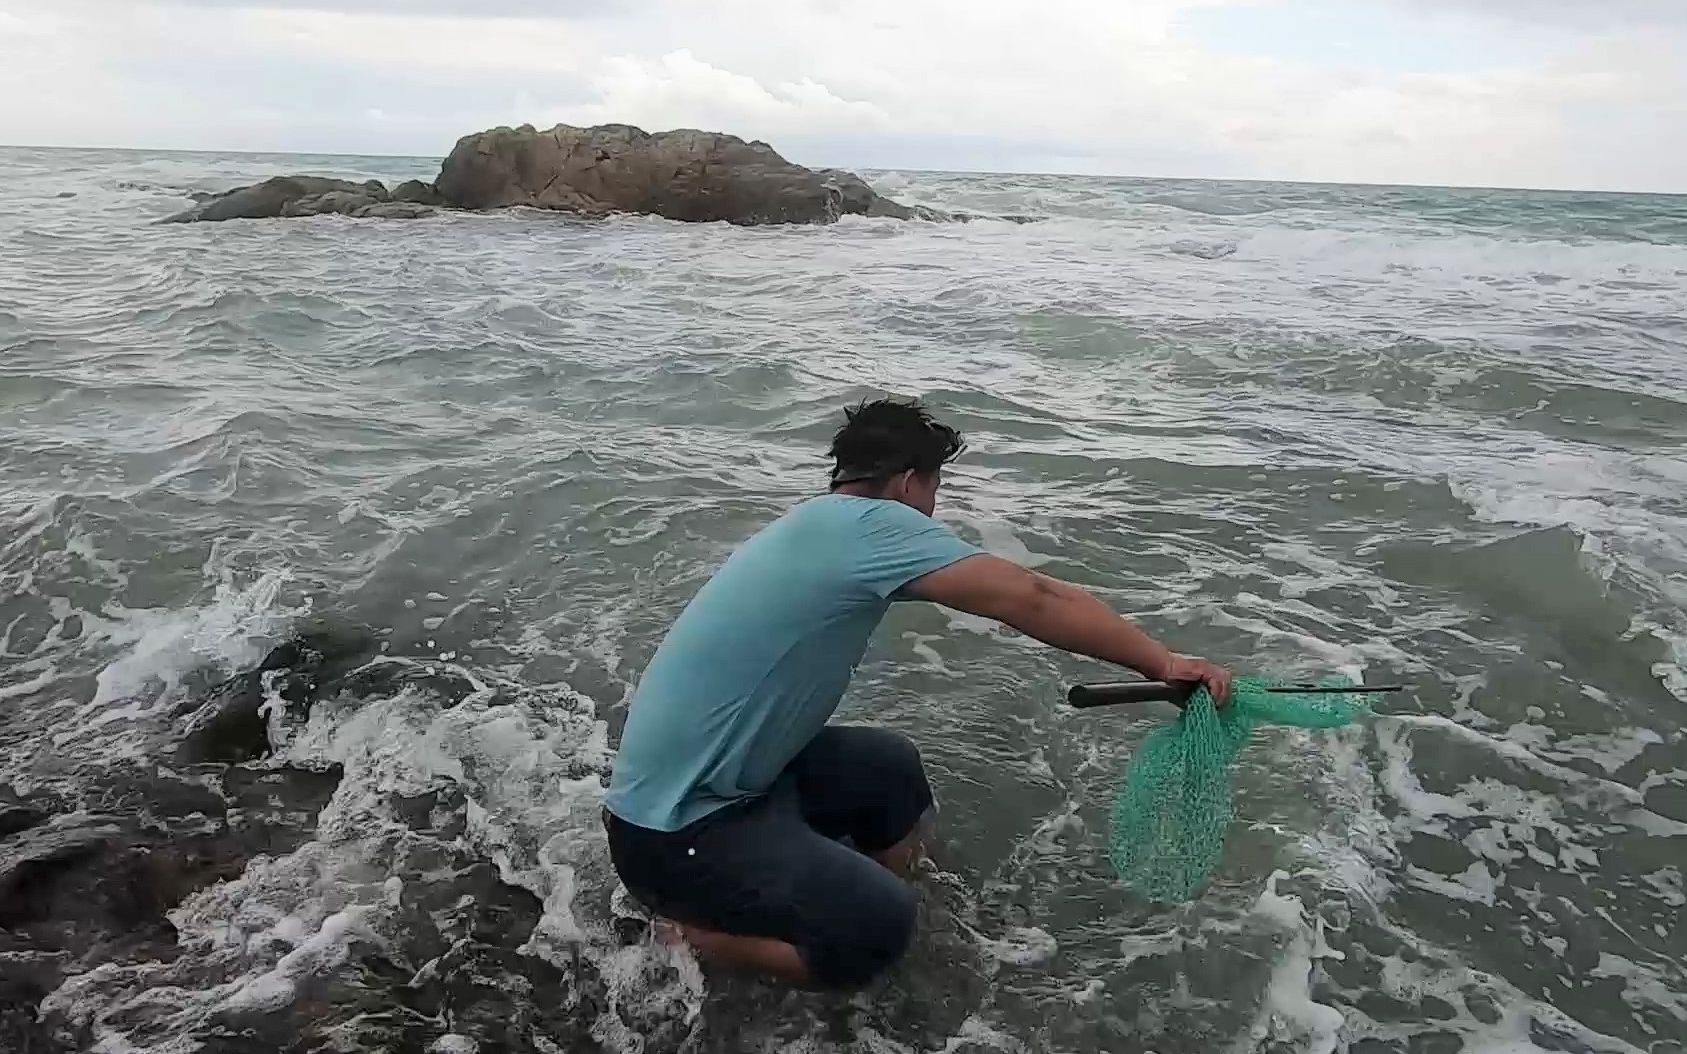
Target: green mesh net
{"points": [[1173, 810]]}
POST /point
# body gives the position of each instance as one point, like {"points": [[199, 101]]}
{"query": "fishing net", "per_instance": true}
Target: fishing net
{"points": [[1173, 810]]}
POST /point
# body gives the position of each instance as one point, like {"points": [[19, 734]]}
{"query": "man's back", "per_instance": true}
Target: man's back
{"points": [[758, 661]]}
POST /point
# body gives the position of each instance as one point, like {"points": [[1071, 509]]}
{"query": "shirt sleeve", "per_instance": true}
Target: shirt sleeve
{"points": [[901, 544]]}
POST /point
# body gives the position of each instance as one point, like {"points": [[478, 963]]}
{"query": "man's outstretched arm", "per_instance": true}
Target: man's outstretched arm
{"points": [[1061, 615]]}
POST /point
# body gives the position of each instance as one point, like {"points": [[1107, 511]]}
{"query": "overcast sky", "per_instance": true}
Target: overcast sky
{"points": [[1552, 93]]}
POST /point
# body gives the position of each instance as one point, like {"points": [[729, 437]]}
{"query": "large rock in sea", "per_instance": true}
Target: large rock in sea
{"points": [[682, 175]]}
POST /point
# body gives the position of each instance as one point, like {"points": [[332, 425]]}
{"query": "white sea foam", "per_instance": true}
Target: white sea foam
{"points": [[1021, 946], [144, 656], [232, 630], [1289, 1013]]}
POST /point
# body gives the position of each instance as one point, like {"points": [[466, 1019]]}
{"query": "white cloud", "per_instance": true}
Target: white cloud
{"points": [[425, 44], [1603, 14], [679, 91], [1062, 84], [479, 9]]}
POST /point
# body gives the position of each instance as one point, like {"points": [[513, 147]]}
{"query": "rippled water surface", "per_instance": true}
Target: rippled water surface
{"points": [[1431, 436]]}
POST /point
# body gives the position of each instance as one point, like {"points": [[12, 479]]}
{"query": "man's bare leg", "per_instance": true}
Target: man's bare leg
{"points": [[762, 955], [901, 857]]}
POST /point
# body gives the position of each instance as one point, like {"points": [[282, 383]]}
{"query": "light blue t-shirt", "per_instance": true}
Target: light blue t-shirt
{"points": [[759, 659]]}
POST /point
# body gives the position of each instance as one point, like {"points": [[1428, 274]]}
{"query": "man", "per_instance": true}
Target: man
{"points": [[769, 839]]}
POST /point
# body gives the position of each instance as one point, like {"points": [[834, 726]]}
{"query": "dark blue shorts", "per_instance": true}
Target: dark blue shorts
{"points": [[789, 865]]}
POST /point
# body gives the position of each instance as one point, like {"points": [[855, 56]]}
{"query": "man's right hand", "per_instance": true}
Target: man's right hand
{"points": [[1185, 669]]}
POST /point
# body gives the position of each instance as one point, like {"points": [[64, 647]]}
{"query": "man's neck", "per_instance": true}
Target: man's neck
{"points": [[862, 489]]}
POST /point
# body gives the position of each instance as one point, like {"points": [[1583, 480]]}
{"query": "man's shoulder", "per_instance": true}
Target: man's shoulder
{"points": [[826, 512], [850, 509], [842, 526], [806, 531]]}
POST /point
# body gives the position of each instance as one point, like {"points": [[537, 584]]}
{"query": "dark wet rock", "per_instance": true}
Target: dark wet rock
{"points": [[82, 880], [273, 811], [92, 886], [293, 196], [357, 204], [337, 645], [273, 197], [16, 815], [414, 190], [259, 201], [682, 175], [426, 937], [394, 210], [20, 994], [230, 725], [92, 883], [41, 847], [1668, 799], [343, 202], [445, 957]]}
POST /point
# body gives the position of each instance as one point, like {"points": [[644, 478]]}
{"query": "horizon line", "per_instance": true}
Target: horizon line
{"points": [[928, 171]]}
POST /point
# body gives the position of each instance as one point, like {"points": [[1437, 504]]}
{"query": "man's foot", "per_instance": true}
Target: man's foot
{"points": [[761, 955], [669, 934], [903, 858], [628, 918]]}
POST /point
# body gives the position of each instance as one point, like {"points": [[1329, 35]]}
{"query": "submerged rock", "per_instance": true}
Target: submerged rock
{"points": [[442, 953], [344, 202], [394, 210], [286, 196], [231, 725], [89, 883], [15, 815], [415, 190]]}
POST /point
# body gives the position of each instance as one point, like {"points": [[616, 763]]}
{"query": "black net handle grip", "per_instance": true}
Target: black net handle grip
{"points": [[1085, 696]]}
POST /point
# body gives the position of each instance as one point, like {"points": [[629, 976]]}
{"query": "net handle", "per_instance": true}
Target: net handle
{"points": [[1087, 696]]}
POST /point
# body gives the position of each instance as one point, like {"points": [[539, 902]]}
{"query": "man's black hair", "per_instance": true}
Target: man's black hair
{"points": [[886, 437]]}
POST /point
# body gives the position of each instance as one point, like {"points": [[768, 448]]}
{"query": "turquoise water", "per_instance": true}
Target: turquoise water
{"points": [[1419, 435]]}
